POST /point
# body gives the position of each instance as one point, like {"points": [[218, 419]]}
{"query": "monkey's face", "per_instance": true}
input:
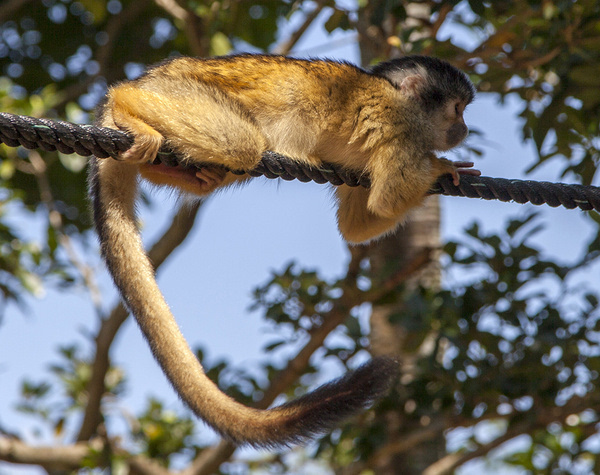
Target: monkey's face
{"points": [[449, 125]]}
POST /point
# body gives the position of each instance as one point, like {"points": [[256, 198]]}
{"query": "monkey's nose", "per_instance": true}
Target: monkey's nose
{"points": [[456, 134]]}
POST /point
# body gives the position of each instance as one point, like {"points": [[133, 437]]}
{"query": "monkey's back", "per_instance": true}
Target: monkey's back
{"points": [[295, 103], [305, 109], [265, 81]]}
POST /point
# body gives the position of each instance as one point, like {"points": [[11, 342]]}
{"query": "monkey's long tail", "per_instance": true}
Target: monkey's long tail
{"points": [[113, 186]]}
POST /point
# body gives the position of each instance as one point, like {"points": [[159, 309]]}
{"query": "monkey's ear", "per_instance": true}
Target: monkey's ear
{"points": [[411, 84]]}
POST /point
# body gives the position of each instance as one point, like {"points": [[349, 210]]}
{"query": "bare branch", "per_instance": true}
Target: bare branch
{"points": [[57, 458], [210, 459], [39, 170], [104, 53], [180, 226], [192, 23], [52, 458], [310, 17], [447, 465], [9, 7], [143, 466]]}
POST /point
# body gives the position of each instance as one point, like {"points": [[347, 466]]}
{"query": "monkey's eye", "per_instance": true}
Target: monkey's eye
{"points": [[457, 108]]}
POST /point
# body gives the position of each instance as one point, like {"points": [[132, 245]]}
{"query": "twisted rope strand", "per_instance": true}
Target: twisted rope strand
{"points": [[85, 140]]}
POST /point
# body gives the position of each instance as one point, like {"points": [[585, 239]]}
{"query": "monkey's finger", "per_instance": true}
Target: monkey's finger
{"points": [[463, 164], [206, 176], [212, 175], [218, 174], [464, 171], [468, 171]]}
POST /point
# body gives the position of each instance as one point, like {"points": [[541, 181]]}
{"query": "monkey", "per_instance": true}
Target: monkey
{"points": [[219, 115]]}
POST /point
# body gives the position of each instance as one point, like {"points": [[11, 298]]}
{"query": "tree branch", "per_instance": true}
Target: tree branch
{"points": [[39, 170], [178, 230], [447, 465], [285, 47], [210, 459], [541, 418], [139, 465], [443, 12], [52, 458], [65, 458], [404, 444], [104, 53], [192, 25], [407, 442], [422, 259], [8, 8]]}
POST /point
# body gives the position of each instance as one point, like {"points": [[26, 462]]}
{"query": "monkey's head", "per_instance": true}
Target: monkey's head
{"points": [[442, 90]]}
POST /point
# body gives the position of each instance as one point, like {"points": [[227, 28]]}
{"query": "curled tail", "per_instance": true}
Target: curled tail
{"points": [[113, 186]]}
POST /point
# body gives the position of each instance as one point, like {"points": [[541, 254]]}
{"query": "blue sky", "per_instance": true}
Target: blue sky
{"points": [[243, 235]]}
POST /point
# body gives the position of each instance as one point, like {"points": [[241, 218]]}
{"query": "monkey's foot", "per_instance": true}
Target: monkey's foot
{"points": [[143, 150], [210, 177], [190, 179]]}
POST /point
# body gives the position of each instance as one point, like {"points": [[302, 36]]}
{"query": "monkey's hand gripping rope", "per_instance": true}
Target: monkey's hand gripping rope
{"points": [[87, 140]]}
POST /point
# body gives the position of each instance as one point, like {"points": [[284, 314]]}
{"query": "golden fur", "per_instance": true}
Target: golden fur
{"points": [[227, 112]]}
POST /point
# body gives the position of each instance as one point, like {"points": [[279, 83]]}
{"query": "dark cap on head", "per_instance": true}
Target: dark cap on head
{"points": [[444, 81]]}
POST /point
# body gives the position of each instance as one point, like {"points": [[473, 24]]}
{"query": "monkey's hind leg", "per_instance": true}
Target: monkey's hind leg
{"points": [[356, 223], [122, 111], [204, 126], [210, 127]]}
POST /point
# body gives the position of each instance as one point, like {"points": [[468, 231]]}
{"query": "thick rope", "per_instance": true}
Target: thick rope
{"points": [[102, 142]]}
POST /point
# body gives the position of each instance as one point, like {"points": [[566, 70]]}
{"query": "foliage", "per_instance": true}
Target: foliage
{"points": [[513, 334], [521, 315], [72, 378], [548, 54], [162, 433]]}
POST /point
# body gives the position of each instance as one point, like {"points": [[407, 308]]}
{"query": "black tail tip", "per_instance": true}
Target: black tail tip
{"points": [[327, 406], [319, 411], [375, 377]]}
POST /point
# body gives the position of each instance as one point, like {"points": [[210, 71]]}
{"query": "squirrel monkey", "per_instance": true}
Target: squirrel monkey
{"points": [[226, 112]]}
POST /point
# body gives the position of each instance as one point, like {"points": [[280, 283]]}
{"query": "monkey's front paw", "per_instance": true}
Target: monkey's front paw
{"points": [[464, 168], [456, 169]]}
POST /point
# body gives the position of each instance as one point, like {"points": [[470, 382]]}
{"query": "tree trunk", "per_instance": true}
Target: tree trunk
{"points": [[387, 256]]}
